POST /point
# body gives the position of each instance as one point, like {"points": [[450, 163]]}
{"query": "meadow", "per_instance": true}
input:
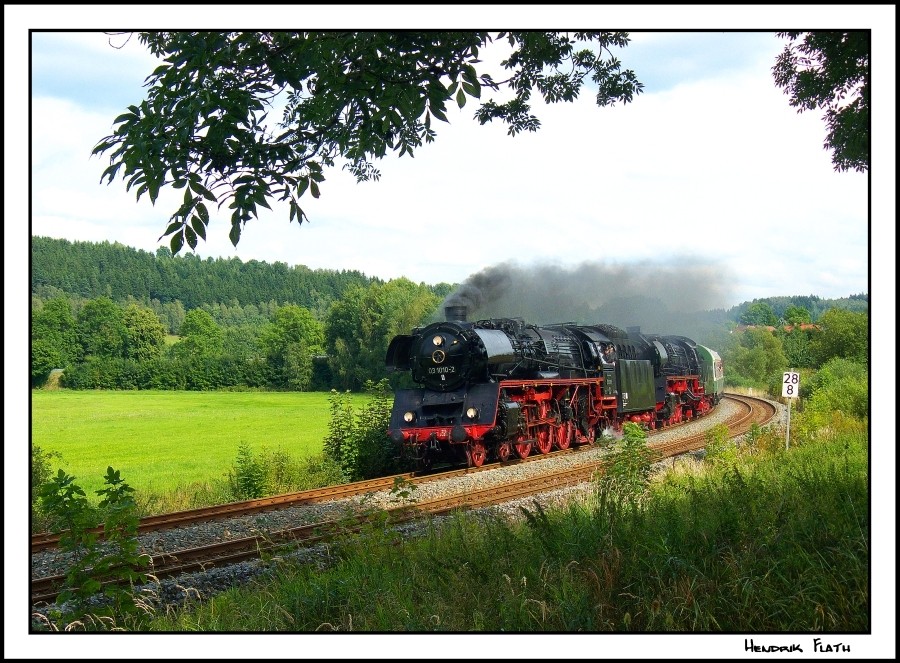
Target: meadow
{"points": [[160, 440]]}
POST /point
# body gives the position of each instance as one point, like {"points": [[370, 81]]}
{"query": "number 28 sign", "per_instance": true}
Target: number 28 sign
{"points": [[790, 385]]}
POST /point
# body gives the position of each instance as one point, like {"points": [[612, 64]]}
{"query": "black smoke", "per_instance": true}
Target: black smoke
{"points": [[660, 297]]}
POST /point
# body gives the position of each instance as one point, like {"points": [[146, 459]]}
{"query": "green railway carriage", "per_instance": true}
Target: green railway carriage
{"points": [[712, 372]]}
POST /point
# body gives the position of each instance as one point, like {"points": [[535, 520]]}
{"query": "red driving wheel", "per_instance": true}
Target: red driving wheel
{"points": [[523, 448], [544, 441], [563, 436]]}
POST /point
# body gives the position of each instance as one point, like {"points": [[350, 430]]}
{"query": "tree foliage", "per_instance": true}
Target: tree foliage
{"points": [[54, 339], [843, 334], [795, 343], [830, 70], [359, 328], [144, 333], [101, 328], [759, 313], [797, 315], [756, 356], [232, 291], [346, 96], [291, 341]]}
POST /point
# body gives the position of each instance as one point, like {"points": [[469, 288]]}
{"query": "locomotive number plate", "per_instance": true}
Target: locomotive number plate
{"points": [[436, 370]]}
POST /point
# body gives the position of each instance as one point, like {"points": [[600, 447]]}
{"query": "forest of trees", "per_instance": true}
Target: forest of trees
{"points": [[114, 317]]}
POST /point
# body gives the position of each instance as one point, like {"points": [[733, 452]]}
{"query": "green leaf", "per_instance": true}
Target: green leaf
{"points": [[461, 98], [176, 243], [470, 75], [111, 172], [126, 117], [473, 89], [197, 225], [235, 234], [173, 227], [201, 190], [314, 189], [191, 238], [439, 114]]}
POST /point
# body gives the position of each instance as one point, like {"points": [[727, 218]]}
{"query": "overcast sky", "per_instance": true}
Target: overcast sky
{"points": [[709, 168]]}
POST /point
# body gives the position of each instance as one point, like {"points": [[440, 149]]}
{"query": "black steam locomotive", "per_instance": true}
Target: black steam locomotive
{"points": [[498, 387]]}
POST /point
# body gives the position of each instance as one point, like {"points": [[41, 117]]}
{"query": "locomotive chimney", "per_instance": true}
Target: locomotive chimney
{"points": [[455, 313]]}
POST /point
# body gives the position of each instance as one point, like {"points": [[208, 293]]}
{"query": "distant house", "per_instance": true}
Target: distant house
{"points": [[806, 326]]}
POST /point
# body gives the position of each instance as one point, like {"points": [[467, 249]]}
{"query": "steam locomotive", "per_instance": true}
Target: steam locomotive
{"points": [[498, 387]]}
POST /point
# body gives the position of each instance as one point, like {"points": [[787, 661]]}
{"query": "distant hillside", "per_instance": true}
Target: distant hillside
{"points": [[815, 305], [89, 270]]}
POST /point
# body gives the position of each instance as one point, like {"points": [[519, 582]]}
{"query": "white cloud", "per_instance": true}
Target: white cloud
{"points": [[715, 166]]}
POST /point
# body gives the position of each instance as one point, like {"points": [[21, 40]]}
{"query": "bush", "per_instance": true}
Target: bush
{"points": [[114, 567], [763, 439], [628, 470], [247, 476], [274, 472], [840, 385], [719, 449], [358, 441], [40, 474]]}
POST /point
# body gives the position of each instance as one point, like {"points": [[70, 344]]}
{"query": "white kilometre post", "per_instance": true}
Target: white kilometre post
{"points": [[790, 389]]}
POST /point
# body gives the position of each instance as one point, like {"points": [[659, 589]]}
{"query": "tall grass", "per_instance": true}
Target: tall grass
{"points": [[770, 542]]}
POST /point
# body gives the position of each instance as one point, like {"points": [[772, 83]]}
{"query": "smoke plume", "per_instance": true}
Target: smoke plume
{"points": [[658, 297]]}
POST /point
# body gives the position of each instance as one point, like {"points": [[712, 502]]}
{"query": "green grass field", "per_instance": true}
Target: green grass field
{"points": [[163, 439]]}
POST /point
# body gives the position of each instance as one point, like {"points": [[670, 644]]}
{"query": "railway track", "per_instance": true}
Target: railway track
{"points": [[46, 540], [237, 550], [43, 541], [752, 411]]}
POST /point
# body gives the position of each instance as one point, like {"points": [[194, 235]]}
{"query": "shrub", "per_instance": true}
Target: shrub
{"points": [[40, 475], [113, 567], [247, 476], [358, 441], [719, 449], [275, 471], [763, 439], [628, 470]]}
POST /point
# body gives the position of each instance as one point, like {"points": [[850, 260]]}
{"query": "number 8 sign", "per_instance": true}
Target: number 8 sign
{"points": [[790, 385]]}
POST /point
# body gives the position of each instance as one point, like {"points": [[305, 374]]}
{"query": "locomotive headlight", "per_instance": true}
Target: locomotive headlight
{"points": [[438, 340], [472, 413], [409, 417]]}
